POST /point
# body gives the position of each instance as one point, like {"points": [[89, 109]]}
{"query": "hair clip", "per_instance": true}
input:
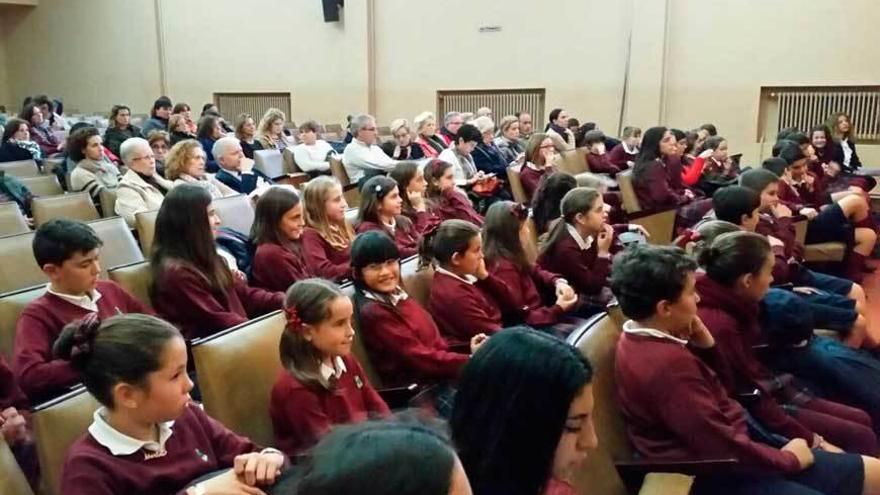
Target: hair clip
{"points": [[519, 210], [436, 166], [294, 323], [689, 236], [378, 188]]}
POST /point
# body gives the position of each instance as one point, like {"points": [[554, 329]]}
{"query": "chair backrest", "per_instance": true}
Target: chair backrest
{"points": [[351, 215], [417, 282], [516, 187], [108, 202], [290, 166], [135, 278], [236, 212], [338, 171], [12, 220], [236, 395], [337, 128], [573, 161], [20, 168], [359, 349], [58, 424], [269, 162], [11, 306], [598, 342], [660, 226], [146, 228], [43, 185], [19, 269], [12, 479], [76, 206], [628, 192], [120, 246]]}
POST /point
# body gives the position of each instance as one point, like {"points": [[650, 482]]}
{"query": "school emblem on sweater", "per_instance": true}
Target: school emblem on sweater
{"points": [[203, 456], [358, 382], [154, 455]]}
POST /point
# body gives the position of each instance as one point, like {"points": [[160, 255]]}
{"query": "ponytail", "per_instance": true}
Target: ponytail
{"points": [[452, 236], [578, 200], [732, 255]]}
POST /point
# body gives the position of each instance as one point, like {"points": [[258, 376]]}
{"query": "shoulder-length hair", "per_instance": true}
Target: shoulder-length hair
{"points": [[649, 152], [373, 193], [545, 204], [578, 200], [269, 117], [114, 112], [240, 121], [178, 155], [271, 208], [183, 235], [832, 123], [511, 409], [533, 148], [206, 126], [78, 140], [403, 174], [12, 126], [315, 195], [501, 229]]}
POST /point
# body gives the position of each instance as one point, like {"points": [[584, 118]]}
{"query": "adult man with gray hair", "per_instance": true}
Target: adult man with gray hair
{"points": [[236, 170], [362, 158], [141, 188], [451, 124]]}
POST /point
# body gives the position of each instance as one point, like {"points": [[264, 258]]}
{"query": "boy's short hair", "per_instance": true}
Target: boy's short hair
{"points": [[468, 133], [58, 240], [790, 151], [757, 179], [593, 137], [775, 164], [642, 276], [732, 202]]}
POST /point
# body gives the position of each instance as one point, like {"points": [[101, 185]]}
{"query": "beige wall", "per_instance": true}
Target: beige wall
{"points": [[5, 98]]}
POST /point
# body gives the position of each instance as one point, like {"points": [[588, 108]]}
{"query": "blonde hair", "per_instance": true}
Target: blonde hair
{"points": [[506, 122], [269, 117], [399, 124], [240, 121], [422, 119], [315, 195], [178, 155], [176, 120]]}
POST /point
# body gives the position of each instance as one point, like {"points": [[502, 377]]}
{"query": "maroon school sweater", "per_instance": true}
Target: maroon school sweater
{"points": [[10, 393], [791, 197], [462, 310], [183, 297], [453, 205], [733, 323], [525, 304], [198, 446], [323, 259], [653, 188], [276, 267], [302, 415], [405, 345], [40, 375], [531, 179], [424, 221], [582, 268], [405, 235], [677, 410], [601, 164], [619, 157]]}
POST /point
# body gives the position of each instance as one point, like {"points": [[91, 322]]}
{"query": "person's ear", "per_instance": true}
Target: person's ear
{"points": [[580, 218], [663, 309], [127, 396], [308, 332], [455, 260], [746, 281], [52, 271]]}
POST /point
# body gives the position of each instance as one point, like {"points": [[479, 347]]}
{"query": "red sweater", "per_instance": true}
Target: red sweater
{"points": [[405, 235], [10, 394], [39, 373], [654, 190], [424, 221], [199, 445], [453, 205], [276, 267], [601, 164], [405, 344], [690, 175], [582, 268], [462, 310], [677, 410], [183, 297], [733, 323], [323, 259], [531, 179], [525, 304], [302, 415], [619, 157], [787, 258]]}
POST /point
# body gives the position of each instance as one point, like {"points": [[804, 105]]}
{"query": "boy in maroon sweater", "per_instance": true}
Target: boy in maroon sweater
{"points": [[675, 407], [624, 155], [598, 161], [67, 251]]}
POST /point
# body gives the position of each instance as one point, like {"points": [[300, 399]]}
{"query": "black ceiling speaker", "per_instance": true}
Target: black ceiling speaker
{"points": [[331, 10]]}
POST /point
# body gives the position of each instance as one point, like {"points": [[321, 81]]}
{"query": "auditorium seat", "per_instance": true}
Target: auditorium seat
{"points": [[573, 162], [145, 222], [107, 197], [12, 479], [11, 306], [135, 278], [236, 212], [516, 187], [43, 185], [238, 396], [20, 168], [75, 206], [57, 425], [290, 166], [823, 252], [120, 246], [12, 220], [349, 191], [416, 282], [337, 128], [660, 225], [270, 162], [358, 349], [351, 215], [19, 269]]}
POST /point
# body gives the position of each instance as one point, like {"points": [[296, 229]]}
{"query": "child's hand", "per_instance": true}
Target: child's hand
{"points": [[416, 200], [700, 335], [781, 211], [13, 426], [604, 239], [477, 341], [705, 154], [810, 213], [482, 272], [258, 469], [226, 484], [564, 290]]}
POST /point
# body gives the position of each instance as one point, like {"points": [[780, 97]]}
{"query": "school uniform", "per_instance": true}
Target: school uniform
{"points": [[676, 409], [452, 204], [324, 259], [183, 297], [276, 267], [40, 375], [244, 182], [301, 415], [622, 157], [601, 164], [10, 393], [525, 304], [578, 261], [105, 461], [531, 176], [460, 306], [658, 186], [404, 342], [423, 221], [404, 233]]}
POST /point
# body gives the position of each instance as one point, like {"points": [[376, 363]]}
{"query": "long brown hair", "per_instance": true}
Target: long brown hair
{"points": [[452, 236], [315, 195], [578, 200], [832, 123], [309, 300], [533, 149], [504, 220], [271, 208], [373, 193], [403, 174], [433, 170]]}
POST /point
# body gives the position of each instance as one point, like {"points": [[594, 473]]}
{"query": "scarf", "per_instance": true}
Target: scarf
{"points": [[105, 172], [151, 180], [29, 146]]}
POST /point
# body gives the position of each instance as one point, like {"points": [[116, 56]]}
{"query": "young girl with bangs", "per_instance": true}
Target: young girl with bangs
{"points": [[381, 209], [326, 241], [278, 226], [413, 188], [444, 200]]}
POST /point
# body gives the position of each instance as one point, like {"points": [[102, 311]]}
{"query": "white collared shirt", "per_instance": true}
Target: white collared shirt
{"points": [[392, 226], [87, 301], [359, 156], [119, 443], [627, 149], [847, 152], [395, 297], [631, 327], [336, 370], [468, 279], [582, 243]]}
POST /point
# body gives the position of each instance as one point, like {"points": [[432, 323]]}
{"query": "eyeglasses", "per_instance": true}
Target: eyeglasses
{"points": [[368, 128], [145, 157]]}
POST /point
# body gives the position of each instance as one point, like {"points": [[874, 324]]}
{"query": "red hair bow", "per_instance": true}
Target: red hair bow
{"points": [[294, 323], [687, 237]]}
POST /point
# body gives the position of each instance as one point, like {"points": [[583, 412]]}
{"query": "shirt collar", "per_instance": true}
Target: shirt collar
{"points": [[468, 279], [395, 297], [629, 151], [582, 243], [632, 328], [87, 301], [391, 226], [119, 443], [336, 370]]}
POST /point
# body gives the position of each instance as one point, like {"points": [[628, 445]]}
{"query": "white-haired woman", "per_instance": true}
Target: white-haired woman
{"points": [[509, 142], [426, 128], [271, 131], [402, 147], [487, 156]]}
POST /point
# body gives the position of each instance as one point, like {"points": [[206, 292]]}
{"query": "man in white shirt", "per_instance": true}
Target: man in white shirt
{"points": [[362, 158], [312, 155]]}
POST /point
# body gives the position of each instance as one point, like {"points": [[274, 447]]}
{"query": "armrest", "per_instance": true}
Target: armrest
{"points": [[399, 397], [666, 484], [293, 179], [641, 468], [660, 224]]}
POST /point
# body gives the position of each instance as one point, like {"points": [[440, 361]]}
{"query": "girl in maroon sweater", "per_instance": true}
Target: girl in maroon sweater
{"points": [[413, 188], [149, 437], [278, 225], [444, 200], [321, 384], [404, 343], [381, 209], [326, 241], [506, 259], [738, 275], [540, 156], [193, 287], [623, 156]]}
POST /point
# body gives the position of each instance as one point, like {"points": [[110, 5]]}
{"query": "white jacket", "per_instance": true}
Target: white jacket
{"points": [[135, 195]]}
